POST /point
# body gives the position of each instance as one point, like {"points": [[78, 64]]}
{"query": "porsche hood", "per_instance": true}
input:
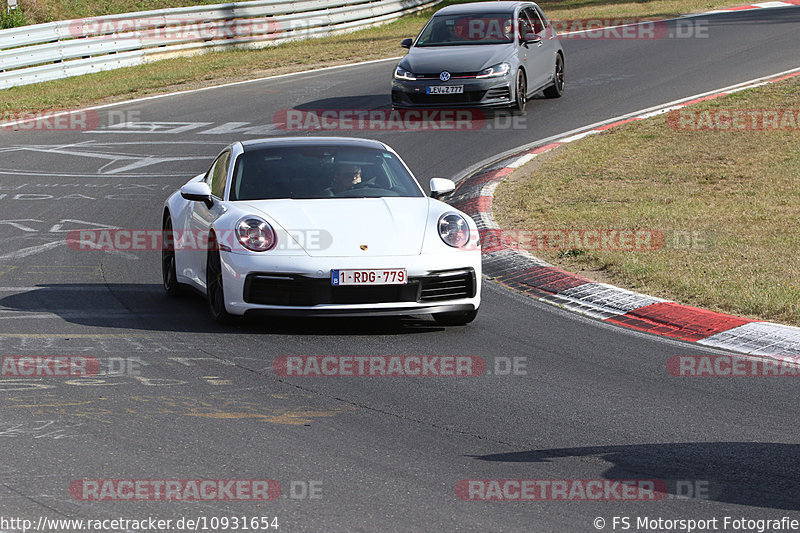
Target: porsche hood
{"points": [[352, 227]]}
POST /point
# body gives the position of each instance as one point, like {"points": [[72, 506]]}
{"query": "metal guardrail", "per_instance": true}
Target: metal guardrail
{"points": [[44, 52]]}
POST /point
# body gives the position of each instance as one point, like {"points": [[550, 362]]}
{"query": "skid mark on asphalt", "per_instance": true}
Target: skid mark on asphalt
{"points": [[216, 380], [40, 429], [179, 353], [41, 373], [294, 417], [174, 351], [149, 406]]}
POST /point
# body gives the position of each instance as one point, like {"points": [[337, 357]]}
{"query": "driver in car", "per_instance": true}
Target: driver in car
{"points": [[345, 177]]}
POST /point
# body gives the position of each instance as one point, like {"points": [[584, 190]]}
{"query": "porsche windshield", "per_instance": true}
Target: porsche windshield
{"points": [[483, 28], [316, 172]]}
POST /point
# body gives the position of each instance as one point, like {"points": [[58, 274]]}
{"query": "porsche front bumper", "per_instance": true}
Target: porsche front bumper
{"points": [[302, 285]]}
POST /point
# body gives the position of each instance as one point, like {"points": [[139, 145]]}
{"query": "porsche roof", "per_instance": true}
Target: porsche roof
{"points": [[279, 142], [480, 7]]}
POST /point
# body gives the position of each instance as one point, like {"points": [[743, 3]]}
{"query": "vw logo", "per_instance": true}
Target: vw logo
{"points": [[444, 76]]}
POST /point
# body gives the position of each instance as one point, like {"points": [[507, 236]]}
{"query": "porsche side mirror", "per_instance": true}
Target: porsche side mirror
{"points": [[198, 191], [406, 43], [441, 186]]}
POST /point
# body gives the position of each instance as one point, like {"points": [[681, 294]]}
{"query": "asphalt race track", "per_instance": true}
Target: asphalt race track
{"points": [[202, 401]]}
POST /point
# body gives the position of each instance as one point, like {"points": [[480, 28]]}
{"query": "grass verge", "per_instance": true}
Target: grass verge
{"points": [[39, 11], [219, 67], [732, 198]]}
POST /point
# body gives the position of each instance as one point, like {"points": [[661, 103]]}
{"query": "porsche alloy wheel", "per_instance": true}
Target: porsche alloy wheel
{"points": [[215, 290], [169, 274]]}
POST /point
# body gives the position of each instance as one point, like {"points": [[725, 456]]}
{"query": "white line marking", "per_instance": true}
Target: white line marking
{"points": [[579, 136], [32, 250], [138, 161], [767, 5], [522, 160]]}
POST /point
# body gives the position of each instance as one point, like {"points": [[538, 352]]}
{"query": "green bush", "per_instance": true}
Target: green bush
{"points": [[11, 19]]}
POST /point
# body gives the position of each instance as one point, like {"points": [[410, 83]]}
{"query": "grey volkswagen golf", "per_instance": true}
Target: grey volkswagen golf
{"points": [[483, 54]]}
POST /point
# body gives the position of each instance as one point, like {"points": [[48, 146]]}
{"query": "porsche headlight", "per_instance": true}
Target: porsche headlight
{"points": [[495, 71], [454, 230], [403, 74], [255, 234]]}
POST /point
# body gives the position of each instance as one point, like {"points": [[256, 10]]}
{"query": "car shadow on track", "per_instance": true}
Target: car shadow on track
{"points": [[756, 474], [146, 307]]}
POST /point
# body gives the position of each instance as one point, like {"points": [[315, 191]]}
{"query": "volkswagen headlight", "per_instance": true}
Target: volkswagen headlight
{"points": [[403, 74], [494, 72]]}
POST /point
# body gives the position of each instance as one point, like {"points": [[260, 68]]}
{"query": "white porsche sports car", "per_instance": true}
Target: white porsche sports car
{"points": [[320, 226]]}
